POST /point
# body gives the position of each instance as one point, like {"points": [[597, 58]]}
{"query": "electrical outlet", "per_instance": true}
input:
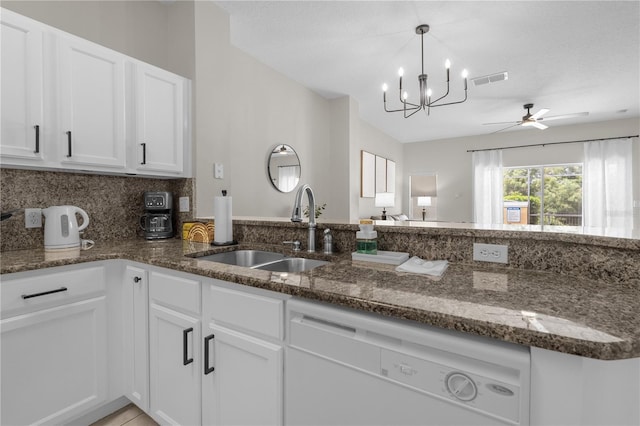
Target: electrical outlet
{"points": [[33, 218], [184, 204], [218, 171], [490, 253]]}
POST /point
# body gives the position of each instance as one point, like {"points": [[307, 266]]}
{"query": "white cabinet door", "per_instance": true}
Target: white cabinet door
{"points": [[54, 363], [160, 120], [174, 359], [22, 90], [136, 336], [92, 106], [245, 387]]}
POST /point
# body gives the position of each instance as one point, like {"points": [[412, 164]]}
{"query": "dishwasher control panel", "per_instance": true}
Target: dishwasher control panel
{"points": [[476, 391]]}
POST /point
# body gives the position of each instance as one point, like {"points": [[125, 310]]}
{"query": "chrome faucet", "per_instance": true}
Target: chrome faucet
{"points": [[297, 217]]}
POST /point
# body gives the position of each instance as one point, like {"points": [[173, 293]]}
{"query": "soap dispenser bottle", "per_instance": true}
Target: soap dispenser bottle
{"points": [[366, 238]]}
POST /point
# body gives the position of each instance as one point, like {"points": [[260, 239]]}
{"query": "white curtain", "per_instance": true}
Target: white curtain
{"points": [[487, 187], [287, 177], [607, 184]]}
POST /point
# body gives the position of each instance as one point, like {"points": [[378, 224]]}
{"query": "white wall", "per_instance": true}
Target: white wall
{"points": [[450, 161], [244, 108]]}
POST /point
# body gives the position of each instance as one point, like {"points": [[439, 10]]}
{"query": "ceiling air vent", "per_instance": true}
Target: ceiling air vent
{"points": [[493, 78]]}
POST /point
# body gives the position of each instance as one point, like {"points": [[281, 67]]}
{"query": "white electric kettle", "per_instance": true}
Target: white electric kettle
{"points": [[61, 230]]}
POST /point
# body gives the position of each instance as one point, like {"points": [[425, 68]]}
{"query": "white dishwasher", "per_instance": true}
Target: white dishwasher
{"points": [[344, 367]]}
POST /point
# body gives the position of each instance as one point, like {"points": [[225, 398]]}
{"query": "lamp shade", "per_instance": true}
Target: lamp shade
{"points": [[385, 199], [424, 201]]}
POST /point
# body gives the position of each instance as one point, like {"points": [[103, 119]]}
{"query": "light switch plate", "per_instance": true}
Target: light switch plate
{"points": [[184, 204], [490, 253]]}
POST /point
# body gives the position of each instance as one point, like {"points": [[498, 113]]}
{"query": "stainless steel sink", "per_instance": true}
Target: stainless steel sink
{"points": [[247, 258], [292, 264]]}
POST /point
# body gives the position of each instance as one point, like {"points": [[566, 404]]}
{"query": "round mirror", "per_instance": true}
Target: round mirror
{"points": [[283, 166]]}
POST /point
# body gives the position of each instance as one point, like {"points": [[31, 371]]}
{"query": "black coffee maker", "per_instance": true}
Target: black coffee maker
{"points": [[157, 222]]}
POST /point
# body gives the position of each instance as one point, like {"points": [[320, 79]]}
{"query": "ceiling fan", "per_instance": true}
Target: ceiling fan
{"points": [[533, 120]]}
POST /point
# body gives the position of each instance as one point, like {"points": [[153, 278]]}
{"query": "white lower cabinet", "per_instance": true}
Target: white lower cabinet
{"points": [[174, 349], [136, 335], [54, 346], [245, 383]]}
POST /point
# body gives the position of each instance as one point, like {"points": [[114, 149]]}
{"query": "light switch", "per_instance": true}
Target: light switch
{"points": [[218, 171]]}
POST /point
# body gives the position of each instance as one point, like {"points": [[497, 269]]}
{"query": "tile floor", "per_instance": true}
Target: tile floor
{"points": [[129, 416]]}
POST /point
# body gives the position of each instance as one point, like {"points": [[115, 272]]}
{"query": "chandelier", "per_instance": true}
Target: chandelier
{"points": [[426, 103]]}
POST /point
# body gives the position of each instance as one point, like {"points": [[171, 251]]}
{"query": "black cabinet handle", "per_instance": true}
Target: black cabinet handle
{"points": [[44, 293], [37, 150], [207, 369], [185, 359], [69, 143], [137, 279], [144, 153]]}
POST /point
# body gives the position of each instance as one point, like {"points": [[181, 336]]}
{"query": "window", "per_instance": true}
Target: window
{"points": [[543, 195]]}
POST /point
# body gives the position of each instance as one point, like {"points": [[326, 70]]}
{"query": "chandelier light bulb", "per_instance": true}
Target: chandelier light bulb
{"points": [[401, 72], [405, 95], [447, 64], [385, 87], [429, 93], [465, 73]]}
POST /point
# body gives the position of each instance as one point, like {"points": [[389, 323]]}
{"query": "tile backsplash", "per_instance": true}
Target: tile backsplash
{"points": [[113, 203]]}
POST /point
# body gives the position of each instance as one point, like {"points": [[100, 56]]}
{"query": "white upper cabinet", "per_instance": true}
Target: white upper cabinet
{"points": [[22, 89], [92, 105], [160, 120], [68, 103]]}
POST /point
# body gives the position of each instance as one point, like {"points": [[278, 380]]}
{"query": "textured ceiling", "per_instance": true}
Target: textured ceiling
{"points": [[571, 56]]}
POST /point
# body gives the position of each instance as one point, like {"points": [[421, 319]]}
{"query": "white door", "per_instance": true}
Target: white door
{"points": [[54, 363], [22, 89], [160, 120], [92, 105], [136, 335], [245, 387], [174, 360]]}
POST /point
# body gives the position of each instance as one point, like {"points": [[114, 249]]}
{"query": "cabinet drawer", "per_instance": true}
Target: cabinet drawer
{"points": [[175, 292], [50, 289], [255, 313]]}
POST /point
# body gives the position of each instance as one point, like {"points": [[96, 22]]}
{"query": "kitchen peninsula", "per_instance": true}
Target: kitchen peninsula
{"points": [[562, 310]]}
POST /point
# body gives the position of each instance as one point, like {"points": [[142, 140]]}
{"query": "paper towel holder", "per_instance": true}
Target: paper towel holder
{"points": [[223, 243]]}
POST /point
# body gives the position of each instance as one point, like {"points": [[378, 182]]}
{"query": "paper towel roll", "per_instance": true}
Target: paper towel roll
{"points": [[223, 225]]}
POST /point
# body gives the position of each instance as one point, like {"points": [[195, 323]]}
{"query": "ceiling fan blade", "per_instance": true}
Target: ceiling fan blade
{"points": [[560, 117], [538, 125], [502, 122], [508, 127], [540, 113]]}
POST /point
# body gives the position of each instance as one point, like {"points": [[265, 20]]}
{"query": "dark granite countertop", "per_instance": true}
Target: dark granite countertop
{"points": [[594, 319]]}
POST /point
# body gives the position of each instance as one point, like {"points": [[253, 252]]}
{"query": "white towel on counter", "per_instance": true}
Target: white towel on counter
{"points": [[415, 265]]}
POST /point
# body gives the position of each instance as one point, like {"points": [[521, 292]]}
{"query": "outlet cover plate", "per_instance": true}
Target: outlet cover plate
{"points": [[184, 204], [33, 218], [490, 253]]}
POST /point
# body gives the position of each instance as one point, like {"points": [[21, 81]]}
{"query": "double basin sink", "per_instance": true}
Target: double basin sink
{"points": [[264, 260]]}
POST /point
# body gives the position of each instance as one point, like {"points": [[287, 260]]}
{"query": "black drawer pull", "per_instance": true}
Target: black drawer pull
{"points": [[185, 334], [144, 153], [207, 369], [37, 150], [44, 293], [137, 279], [69, 143]]}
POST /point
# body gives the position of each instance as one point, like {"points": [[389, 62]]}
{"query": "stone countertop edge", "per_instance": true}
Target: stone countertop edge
{"points": [[377, 288]]}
